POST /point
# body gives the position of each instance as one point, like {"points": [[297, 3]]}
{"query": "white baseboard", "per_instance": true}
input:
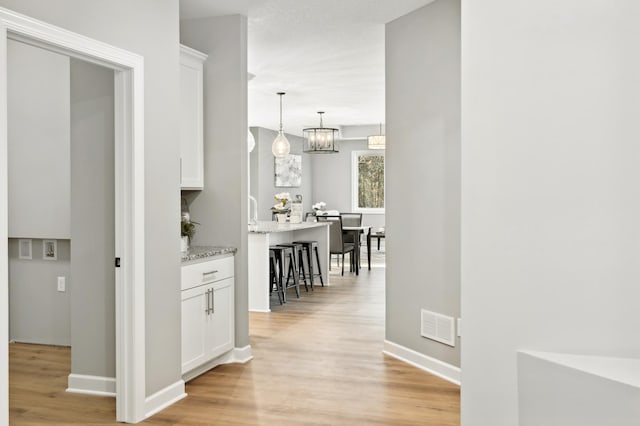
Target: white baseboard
{"points": [[242, 355], [235, 355], [431, 365], [164, 398], [91, 385]]}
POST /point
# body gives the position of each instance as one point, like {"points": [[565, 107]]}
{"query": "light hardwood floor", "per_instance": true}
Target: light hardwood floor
{"points": [[317, 361]]}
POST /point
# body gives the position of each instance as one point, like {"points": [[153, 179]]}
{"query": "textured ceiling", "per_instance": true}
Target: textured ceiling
{"points": [[327, 55]]}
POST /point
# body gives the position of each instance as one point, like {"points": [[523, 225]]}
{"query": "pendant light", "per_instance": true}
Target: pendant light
{"points": [[377, 141], [280, 146], [320, 140]]}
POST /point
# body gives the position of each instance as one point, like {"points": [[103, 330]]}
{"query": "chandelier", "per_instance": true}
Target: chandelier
{"points": [[320, 140]]}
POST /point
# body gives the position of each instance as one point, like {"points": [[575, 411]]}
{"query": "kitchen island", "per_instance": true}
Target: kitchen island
{"points": [[265, 234]]}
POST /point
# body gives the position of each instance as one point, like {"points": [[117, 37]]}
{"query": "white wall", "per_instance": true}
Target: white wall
{"points": [[39, 192], [550, 194], [38, 134], [221, 208], [332, 180], [92, 221], [38, 313], [262, 173], [423, 174]]}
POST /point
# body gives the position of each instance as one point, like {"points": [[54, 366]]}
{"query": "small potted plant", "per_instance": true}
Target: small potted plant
{"points": [[187, 231], [280, 208]]}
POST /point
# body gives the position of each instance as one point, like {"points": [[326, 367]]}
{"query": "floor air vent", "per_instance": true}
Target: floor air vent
{"points": [[437, 327]]}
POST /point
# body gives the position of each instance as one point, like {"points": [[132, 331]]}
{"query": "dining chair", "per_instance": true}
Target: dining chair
{"points": [[337, 245], [351, 219]]}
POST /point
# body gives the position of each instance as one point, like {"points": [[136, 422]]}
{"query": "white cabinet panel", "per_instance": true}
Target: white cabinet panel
{"points": [[221, 322], [194, 330], [191, 118]]}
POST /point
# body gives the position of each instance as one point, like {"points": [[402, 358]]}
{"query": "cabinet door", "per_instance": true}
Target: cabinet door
{"points": [[195, 327], [220, 323], [191, 121]]}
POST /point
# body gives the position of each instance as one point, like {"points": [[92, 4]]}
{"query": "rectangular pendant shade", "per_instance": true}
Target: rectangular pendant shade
{"points": [[376, 142]]}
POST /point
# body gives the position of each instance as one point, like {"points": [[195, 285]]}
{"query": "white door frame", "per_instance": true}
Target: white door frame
{"points": [[129, 200]]}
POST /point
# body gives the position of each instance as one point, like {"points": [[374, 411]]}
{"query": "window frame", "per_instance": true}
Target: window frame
{"points": [[354, 181]]}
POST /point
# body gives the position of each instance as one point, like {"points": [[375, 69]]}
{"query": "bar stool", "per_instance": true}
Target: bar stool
{"points": [[310, 246], [298, 263], [281, 253], [274, 275]]}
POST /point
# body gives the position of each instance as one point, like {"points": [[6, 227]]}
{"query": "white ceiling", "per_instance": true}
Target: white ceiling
{"points": [[327, 55]]}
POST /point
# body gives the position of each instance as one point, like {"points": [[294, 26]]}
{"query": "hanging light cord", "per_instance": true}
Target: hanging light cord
{"points": [[280, 94]]}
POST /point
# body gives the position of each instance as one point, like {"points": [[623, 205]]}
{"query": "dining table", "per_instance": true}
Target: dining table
{"points": [[356, 231]]}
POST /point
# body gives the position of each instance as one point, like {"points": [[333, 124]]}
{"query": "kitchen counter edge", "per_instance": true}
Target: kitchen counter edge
{"points": [[202, 253]]}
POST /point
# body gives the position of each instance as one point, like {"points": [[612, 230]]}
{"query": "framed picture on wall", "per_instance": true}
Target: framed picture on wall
{"points": [[288, 171], [50, 249], [25, 249]]}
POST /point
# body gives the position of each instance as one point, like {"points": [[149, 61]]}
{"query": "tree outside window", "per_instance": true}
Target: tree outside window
{"points": [[368, 182]]}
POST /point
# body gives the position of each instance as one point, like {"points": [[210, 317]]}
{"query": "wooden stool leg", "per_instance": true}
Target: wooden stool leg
{"points": [[281, 276], [291, 271], [294, 272], [301, 267], [310, 264], [274, 280], [319, 268]]}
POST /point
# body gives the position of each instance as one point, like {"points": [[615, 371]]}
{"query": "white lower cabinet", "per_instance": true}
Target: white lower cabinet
{"points": [[207, 312]]}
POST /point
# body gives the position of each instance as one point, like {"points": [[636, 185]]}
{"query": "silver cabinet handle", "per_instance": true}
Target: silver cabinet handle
{"points": [[208, 303], [213, 311], [204, 274]]}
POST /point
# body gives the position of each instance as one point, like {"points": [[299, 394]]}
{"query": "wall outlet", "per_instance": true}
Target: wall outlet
{"points": [[61, 283]]}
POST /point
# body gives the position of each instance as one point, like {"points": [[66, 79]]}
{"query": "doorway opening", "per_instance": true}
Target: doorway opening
{"points": [[62, 214], [128, 83]]}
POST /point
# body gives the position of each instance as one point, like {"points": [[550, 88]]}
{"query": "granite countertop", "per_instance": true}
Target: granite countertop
{"points": [[203, 252], [265, 227]]}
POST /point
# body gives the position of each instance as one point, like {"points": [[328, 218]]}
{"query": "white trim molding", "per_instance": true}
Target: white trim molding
{"points": [[164, 398], [91, 385], [445, 371], [234, 356], [4, 234], [130, 200], [242, 355]]}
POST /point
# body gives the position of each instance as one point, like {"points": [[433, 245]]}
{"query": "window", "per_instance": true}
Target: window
{"points": [[367, 182]]}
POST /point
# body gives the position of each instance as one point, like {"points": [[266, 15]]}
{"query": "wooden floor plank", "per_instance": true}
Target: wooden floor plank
{"points": [[317, 361]]}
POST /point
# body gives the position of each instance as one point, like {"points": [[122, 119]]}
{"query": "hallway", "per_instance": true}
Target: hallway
{"points": [[317, 361]]}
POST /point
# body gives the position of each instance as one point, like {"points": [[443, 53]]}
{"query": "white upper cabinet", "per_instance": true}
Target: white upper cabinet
{"points": [[191, 118]]}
